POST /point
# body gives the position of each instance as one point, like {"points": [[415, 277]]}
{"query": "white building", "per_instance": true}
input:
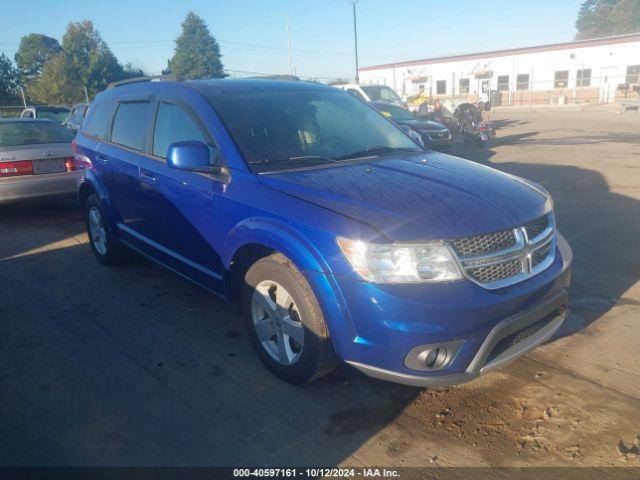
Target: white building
{"points": [[600, 70]]}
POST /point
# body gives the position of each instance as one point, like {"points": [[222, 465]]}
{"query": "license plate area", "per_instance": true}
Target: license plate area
{"points": [[49, 165]]}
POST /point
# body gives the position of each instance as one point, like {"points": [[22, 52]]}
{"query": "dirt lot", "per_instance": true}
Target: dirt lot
{"points": [[135, 366]]}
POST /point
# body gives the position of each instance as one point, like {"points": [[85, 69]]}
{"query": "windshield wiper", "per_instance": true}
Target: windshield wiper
{"points": [[375, 151], [302, 160]]}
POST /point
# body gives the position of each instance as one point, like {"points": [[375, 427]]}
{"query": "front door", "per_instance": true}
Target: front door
{"points": [[181, 204]]}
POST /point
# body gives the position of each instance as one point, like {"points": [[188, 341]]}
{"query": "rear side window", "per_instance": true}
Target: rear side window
{"points": [[130, 125], [33, 133], [173, 124], [99, 119]]}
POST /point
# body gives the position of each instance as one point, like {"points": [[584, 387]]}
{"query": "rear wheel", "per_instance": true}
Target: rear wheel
{"points": [[106, 248], [285, 323]]}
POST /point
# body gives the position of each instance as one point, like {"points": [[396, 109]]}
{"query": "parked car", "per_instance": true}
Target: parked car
{"points": [[373, 93], [57, 113], [76, 117], [36, 160], [338, 236], [433, 134]]}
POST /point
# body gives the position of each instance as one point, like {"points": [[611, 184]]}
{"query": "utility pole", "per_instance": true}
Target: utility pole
{"points": [[355, 37], [24, 100], [286, 22]]}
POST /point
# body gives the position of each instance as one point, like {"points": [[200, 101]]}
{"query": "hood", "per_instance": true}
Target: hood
{"points": [[428, 125], [409, 200]]}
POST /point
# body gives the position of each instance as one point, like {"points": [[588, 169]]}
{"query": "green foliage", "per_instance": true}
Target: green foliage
{"points": [[603, 18], [197, 54], [8, 79], [85, 61], [34, 50]]}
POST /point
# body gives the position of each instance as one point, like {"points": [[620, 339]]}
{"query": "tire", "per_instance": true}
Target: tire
{"points": [[106, 248], [310, 354]]}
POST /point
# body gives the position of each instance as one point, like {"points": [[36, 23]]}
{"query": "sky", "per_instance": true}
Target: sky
{"points": [[253, 39]]}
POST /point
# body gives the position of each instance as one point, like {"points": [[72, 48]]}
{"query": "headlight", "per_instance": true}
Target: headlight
{"points": [[388, 263]]}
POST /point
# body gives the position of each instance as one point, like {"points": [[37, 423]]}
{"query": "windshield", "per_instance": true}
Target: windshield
{"points": [[30, 133], [279, 129], [394, 112], [56, 114], [380, 93]]}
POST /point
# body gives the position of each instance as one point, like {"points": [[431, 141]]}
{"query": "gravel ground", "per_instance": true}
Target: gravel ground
{"points": [[135, 366]]}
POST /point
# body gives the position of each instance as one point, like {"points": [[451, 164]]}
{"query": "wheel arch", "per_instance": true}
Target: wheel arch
{"points": [[256, 238]]}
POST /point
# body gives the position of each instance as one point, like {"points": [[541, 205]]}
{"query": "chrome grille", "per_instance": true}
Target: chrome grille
{"points": [[493, 273], [499, 259], [485, 243], [537, 226], [539, 255]]}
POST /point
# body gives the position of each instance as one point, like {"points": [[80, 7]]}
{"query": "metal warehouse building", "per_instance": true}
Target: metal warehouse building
{"points": [[600, 70]]}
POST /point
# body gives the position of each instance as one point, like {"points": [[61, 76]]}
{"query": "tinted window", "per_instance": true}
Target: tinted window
{"points": [[31, 133], [278, 129], [99, 117], [173, 124], [130, 125]]}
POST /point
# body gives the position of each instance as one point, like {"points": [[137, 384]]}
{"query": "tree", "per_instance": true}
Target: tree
{"points": [[603, 18], [8, 79], [85, 61], [34, 50], [197, 54]]}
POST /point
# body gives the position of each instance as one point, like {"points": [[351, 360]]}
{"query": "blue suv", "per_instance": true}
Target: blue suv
{"points": [[339, 236]]}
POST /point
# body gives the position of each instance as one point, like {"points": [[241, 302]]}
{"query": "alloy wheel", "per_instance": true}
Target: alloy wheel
{"points": [[277, 323], [97, 231]]}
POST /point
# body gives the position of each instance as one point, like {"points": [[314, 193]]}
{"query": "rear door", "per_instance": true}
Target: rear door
{"points": [[119, 161]]}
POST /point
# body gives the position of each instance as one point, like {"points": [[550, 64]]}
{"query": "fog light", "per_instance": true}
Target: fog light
{"points": [[432, 357]]}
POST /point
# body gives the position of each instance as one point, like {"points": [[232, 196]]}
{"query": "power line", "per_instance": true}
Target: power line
{"points": [[228, 43]]}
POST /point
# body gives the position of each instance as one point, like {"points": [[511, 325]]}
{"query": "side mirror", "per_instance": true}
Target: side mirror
{"points": [[193, 156]]}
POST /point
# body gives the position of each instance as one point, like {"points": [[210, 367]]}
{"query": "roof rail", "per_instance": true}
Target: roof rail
{"points": [[152, 78]]}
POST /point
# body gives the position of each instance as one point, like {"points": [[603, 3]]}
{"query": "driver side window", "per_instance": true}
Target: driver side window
{"points": [[173, 124]]}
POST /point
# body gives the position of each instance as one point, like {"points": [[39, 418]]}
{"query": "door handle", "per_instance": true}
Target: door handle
{"points": [[102, 159], [147, 177]]}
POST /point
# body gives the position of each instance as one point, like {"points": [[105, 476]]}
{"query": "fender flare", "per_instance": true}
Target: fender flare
{"points": [[277, 235], [91, 180], [282, 237]]}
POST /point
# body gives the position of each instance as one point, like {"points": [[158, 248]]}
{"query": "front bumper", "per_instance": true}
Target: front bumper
{"points": [[37, 186], [376, 328], [552, 312]]}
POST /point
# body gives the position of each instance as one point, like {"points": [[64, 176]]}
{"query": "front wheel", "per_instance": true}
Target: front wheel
{"points": [[284, 321]]}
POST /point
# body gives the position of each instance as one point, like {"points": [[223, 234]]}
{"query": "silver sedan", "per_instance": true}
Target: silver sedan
{"points": [[36, 160]]}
